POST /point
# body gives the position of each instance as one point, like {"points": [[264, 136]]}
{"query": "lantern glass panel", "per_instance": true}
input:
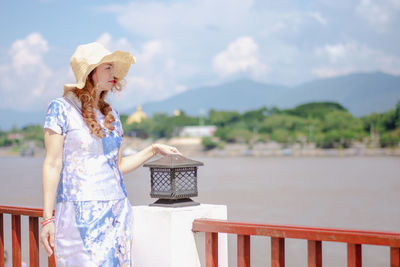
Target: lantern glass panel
{"points": [[161, 182], [185, 180]]}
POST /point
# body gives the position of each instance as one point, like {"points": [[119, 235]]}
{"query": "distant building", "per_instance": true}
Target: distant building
{"points": [[198, 131], [137, 116], [15, 136]]}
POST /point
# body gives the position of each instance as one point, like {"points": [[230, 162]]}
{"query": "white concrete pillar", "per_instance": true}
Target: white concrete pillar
{"points": [[163, 237]]}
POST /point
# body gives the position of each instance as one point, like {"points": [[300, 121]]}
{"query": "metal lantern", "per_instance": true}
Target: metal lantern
{"points": [[173, 180]]}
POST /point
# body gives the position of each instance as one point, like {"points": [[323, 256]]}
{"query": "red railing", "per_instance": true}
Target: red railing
{"points": [[278, 233], [16, 213]]}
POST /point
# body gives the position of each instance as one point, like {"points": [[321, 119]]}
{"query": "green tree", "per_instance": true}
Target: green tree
{"points": [[315, 109], [390, 139], [123, 118], [373, 123], [341, 120], [167, 126], [285, 122], [223, 118], [252, 119], [225, 133], [340, 128], [282, 136], [397, 115], [208, 143], [4, 141], [388, 120], [162, 126], [146, 127], [33, 132]]}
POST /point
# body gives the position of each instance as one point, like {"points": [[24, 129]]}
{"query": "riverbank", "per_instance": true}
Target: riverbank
{"points": [[278, 150], [193, 147]]}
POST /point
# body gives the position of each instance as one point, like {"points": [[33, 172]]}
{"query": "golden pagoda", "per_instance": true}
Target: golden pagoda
{"points": [[177, 112], [137, 116]]}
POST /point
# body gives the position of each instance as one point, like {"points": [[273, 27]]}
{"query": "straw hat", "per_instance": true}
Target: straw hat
{"points": [[88, 56]]}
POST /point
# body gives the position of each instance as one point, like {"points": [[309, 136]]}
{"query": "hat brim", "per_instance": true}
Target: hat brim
{"points": [[121, 61]]}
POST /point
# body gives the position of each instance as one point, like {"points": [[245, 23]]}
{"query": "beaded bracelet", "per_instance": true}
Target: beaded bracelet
{"points": [[47, 221]]}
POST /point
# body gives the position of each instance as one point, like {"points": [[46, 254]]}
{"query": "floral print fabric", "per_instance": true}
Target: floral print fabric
{"points": [[90, 170], [93, 214], [93, 233]]}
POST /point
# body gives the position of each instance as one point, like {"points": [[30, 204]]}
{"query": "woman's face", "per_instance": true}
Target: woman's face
{"points": [[104, 77]]}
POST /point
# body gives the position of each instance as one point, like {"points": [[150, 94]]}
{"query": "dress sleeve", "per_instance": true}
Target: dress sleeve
{"points": [[56, 118]]}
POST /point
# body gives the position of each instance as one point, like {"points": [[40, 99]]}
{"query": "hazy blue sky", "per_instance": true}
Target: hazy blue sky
{"points": [[190, 43]]}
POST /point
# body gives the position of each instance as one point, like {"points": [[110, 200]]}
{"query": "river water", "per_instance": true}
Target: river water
{"points": [[341, 192]]}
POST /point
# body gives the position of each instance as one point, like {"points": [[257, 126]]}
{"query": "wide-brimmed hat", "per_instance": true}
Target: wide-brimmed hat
{"points": [[88, 56]]}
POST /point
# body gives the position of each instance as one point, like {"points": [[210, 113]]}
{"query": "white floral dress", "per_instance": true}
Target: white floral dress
{"points": [[93, 215]]}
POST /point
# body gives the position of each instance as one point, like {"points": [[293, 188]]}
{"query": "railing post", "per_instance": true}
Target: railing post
{"points": [[16, 240], [277, 252], [354, 255], [243, 251], [394, 257], [314, 253], [33, 242], [1, 241], [51, 260], [211, 249]]}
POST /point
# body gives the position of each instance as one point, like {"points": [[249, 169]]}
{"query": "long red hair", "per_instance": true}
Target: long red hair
{"points": [[87, 96]]}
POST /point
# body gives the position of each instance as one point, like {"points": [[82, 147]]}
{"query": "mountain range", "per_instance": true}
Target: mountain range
{"points": [[360, 93]]}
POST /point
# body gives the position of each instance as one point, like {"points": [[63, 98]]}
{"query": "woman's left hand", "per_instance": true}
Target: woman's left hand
{"points": [[165, 149]]}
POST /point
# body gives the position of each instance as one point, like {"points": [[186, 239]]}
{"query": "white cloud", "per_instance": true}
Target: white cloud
{"points": [[152, 49], [153, 77], [28, 52], [318, 17], [379, 14], [286, 34], [27, 82], [192, 19], [108, 42], [157, 19], [344, 58], [25, 76], [337, 52], [240, 56], [180, 88], [196, 30], [325, 72]]}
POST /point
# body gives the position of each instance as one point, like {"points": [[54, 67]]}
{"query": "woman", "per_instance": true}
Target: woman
{"points": [[83, 166]]}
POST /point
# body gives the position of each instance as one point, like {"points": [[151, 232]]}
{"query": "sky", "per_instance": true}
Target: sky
{"points": [[184, 44]]}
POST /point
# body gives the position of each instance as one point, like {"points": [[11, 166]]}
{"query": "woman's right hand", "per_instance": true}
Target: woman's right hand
{"points": [[165, 149], [46, 234]]}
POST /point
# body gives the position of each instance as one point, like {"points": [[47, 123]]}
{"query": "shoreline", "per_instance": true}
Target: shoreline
{"points": [[192, 147], [190, 151]]}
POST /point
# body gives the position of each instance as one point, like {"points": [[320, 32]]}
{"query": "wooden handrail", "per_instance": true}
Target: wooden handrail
{"points": [[302, 232], [16, 213], [25, 211], [278, 233]]}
